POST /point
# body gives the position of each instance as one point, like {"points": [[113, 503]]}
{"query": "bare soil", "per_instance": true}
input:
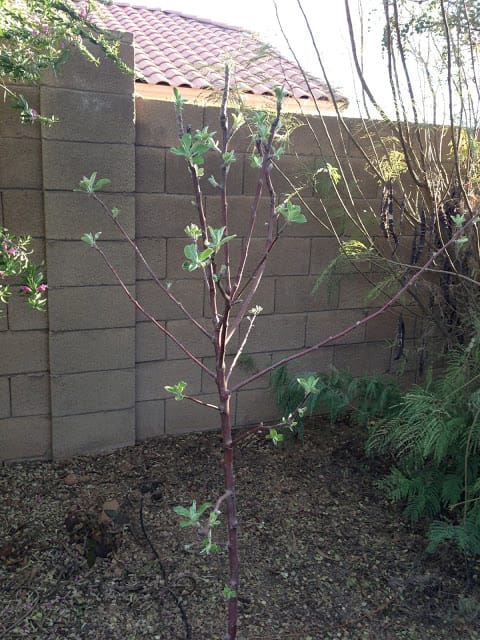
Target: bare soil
{"points": [[324, 555]]}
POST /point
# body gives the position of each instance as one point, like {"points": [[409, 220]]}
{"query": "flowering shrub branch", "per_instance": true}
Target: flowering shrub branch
{"points": [[39, 34], [15, 264]]}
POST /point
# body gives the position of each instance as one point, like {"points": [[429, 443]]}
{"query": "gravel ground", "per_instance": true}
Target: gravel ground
{"points": [[90, 548]]}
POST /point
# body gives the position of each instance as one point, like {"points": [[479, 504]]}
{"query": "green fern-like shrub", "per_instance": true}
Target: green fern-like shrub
{"points": [[340, 394], [434, 438]]}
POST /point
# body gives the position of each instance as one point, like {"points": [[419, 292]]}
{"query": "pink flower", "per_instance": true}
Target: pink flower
{"points": [[12, 251], [4, 246], [82, 12], [25, 289], [2, 273], [42, 287], [61, 44], [33, 114], [45, 28]]}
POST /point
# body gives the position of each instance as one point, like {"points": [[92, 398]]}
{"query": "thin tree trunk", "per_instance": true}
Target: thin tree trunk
{"points": [[232, 522]]}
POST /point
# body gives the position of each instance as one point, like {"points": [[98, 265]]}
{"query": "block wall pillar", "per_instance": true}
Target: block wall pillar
{"points": [[91, 322]]}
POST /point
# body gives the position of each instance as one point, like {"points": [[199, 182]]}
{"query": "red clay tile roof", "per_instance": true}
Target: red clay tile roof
{"points": [[184, 51]]}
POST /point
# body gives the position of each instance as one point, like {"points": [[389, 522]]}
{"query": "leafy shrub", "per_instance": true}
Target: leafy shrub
{"points": [[434, 437], [338, 394]]}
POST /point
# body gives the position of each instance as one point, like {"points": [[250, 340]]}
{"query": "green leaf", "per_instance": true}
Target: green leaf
{"points": [[176, 389], [274, 436], [103, 182], [291, 212], [204, 255], [116, 212], [86, 184], [256, 161], [91, 238], [193, 231], [309, 385], [229, 593], [191, 252]]}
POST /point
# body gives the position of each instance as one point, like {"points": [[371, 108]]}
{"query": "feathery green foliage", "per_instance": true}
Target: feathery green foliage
{"points": [[340, 393], [435, 439]]}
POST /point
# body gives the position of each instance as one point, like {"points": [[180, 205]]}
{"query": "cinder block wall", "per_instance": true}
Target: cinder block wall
{"points": [[89, 375]]}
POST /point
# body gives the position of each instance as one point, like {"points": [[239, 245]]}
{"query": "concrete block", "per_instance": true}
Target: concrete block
{"points": [[289, 256], [239, 212], [295, 169], [149, 170], [323, 324], [5, 409], [186, 417], [76, 308], [23, 212], [74, 263], [192, 338], [354, 289], [255, 406], [264, 296], [213, 168], [362, 358], [177, 175], [178, 179], [30, 395], [10, 123], [320, 360], [92, 433], [271, 333], [88, 115], [149, 343], [248, 364], [79, 73], [161, 215], [154, 251], [93, 350], [150, 419], [65, 163], [21, 317], [384, 327], [153, 376], [295, 294], [23, 352], [189, 292], [314, 134], [156, 123], [20, 163], [69, 215], [324, 250], [360, 183], [92, 392], [25, 438]]}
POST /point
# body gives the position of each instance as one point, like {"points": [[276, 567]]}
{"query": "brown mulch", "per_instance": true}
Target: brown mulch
{"points": [[323, 553]]}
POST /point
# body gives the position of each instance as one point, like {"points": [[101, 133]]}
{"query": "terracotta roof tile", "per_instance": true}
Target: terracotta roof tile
{"points": [[180, 50]]}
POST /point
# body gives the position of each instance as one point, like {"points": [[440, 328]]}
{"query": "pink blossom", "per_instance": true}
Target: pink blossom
{"points": [[61, 44], [2, 273], [25, 289], [82, 11], [42, 287], [5, 246], [12, 251], [33, 114], [45, 28]]}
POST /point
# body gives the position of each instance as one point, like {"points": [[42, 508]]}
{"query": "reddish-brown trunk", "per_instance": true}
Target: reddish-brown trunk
{"points": [[232, 522]]}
